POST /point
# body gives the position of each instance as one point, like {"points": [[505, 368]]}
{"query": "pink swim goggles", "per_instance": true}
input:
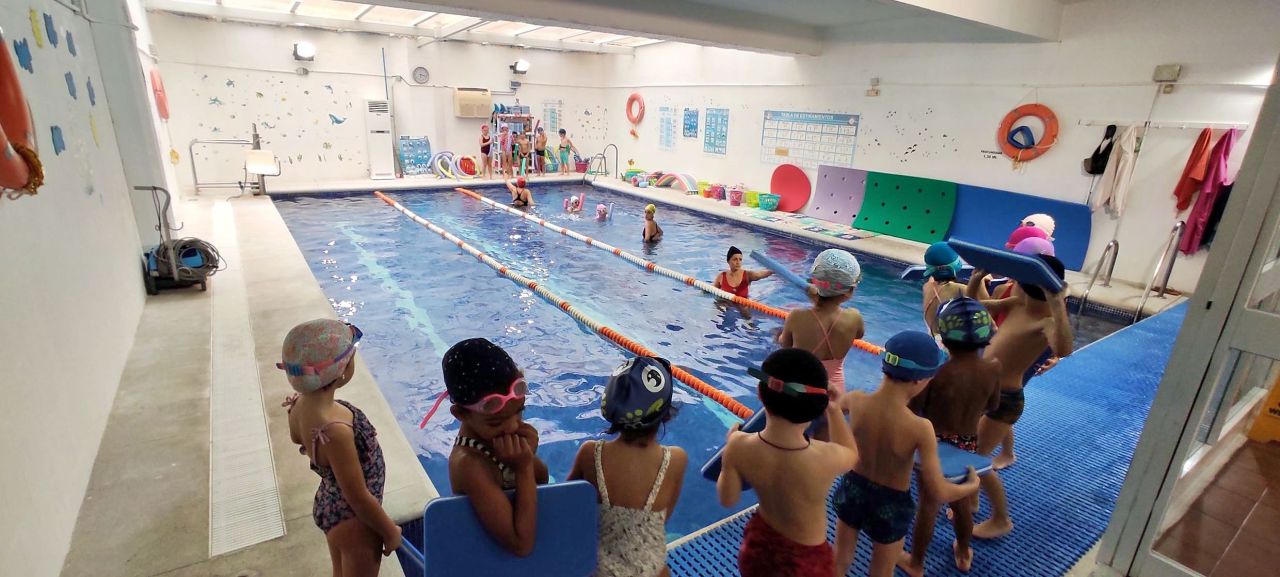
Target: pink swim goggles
{"points": [[489, 405]]}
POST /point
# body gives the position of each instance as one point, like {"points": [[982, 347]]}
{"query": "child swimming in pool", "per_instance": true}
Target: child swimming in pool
{"points": [[791, 474], [965, 388], [486, 144], [566, 146], [875, 497], [942, 265], [521, 196], [574, 204], [318, 358], [652, 232], [495, 450], [737, 280], [1033, 320], [638, 479], [827, 330], [602, 212]]}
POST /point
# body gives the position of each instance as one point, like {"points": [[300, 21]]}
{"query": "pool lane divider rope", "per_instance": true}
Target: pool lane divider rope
{"points": [[656, 268], [617, 338]]}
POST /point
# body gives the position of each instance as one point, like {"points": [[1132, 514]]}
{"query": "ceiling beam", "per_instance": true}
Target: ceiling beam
{"points": [[363, 11], [1039, 20], [560, 45], [424, 18], [534, 29], [280, 18]]}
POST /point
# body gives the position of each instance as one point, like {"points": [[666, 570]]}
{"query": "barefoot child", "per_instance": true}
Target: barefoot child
{"points": [[652, 232], [787, 535], [875, 497], [565, 147], [495, 450], [640, 485], [964, 389], [942, 264], [1033, 320], [486, 143], [319, 358]]}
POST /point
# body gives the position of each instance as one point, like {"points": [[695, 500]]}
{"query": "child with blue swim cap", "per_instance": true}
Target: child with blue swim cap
{"points": [[942, 268], [641, 483], [875, 497], [965, 389]]}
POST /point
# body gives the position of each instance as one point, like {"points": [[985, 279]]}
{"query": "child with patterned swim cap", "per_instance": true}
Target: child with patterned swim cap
{"points": [[965, 388], [496, 450], [318, 358], [791, 474], [638, 479], [942, 268], [875, 497], [827, 329]]}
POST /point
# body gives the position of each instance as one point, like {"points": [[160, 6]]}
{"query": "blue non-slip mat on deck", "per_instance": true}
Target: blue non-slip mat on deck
{"points": [[1075, 442]]}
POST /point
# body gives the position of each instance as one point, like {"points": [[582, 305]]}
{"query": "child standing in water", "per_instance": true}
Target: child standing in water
{"points": [[486, 143], [787, 535], [964, 389], [942, 265], [566, 146], [652, 232], [737, 280], [641, 484], [875, 497], [495, 450], [318, 358]]}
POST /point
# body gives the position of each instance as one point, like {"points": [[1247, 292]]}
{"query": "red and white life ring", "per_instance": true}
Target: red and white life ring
{"points": [[20, 168], [635, 108], [1050, 137], [157, 90]]}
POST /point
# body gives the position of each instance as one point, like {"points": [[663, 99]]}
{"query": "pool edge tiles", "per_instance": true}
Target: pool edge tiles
{"points": [[1055, 530]]}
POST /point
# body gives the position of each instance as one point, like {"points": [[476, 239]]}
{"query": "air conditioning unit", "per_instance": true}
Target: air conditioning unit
{"points": [[472, 102], [377, 120]]}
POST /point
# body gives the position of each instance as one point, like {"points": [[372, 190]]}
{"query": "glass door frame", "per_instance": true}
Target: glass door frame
{"points": [[1219, 324]]}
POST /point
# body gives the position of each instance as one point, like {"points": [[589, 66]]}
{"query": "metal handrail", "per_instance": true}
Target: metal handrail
{"points": [[1113, 251], [191, 157], [1171, 254], [616, 167]]}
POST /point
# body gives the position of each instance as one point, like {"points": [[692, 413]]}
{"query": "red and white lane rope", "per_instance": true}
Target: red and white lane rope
{"points": [[617, 338]]}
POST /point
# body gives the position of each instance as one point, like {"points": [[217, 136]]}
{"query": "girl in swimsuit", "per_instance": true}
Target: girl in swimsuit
{"points": [[341, 445], [566, 145], [736, 280], [486, 142]]}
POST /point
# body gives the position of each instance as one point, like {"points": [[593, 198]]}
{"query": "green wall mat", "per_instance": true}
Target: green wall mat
{"points": [[909, 207]]}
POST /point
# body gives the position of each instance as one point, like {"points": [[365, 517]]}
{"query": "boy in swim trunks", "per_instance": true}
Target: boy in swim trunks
{"points": [[787, 535], [964, 389], [827, 330], [496, 450], [875, 497], [942, 265], [1033, 320], [540, 151]]}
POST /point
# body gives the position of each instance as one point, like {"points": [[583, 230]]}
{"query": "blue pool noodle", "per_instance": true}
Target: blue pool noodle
{"points": [[780, 270]]}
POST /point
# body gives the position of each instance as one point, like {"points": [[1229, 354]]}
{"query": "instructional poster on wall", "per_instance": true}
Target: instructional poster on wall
{"points": [[691, 123], [715, 139], [808, 139], [666, 128], [551, 112]]}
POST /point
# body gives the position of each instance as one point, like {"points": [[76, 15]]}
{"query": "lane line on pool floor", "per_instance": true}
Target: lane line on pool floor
{"points": [[617, 338], [655, 267]]}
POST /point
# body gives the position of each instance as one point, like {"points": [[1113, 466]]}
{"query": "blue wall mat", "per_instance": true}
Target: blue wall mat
{"points": [[987, 216], [565, 545]]}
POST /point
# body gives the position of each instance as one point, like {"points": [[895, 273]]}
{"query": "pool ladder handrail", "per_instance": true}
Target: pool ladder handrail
{"points": [[1169, 254], [1112, 251], [604, 163]]}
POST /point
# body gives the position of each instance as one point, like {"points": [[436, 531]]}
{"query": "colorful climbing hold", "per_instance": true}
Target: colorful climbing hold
{"points": [[36, 31], [71, 84], [23, 51], [59, 144]]}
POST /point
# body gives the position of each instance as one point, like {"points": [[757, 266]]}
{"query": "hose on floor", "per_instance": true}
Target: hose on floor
{"points": [[185, 249]]}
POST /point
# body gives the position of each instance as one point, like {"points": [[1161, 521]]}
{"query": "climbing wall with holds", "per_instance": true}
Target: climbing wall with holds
{"points": [[918, 209], [837, 195]]}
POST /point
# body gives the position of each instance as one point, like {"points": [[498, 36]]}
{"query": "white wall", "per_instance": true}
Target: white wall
{"points": [[199, 58], [71, 295], [1100, 70]]}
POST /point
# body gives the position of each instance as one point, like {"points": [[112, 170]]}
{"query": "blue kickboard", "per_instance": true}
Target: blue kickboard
{"points": [[457, 545], [711, 470], [956, 462], [1024, 269], [780, 270], [987, 216], [915, 273]]}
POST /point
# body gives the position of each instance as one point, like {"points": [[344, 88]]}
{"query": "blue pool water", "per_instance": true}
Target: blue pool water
{"points": [[415, 294]]}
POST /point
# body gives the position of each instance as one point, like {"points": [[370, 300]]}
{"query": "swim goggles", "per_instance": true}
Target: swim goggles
{"points": [[954, 265], [897, 361], [788, 388], [494, 403], [299, 369], [836, 286]]}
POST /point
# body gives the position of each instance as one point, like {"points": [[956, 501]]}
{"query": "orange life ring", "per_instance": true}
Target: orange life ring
{"points": [[1050, 137], [20, 168], [638, 102], [157, 90]]}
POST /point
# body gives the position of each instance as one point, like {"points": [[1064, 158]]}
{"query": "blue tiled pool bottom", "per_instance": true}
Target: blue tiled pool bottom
{"points": [[1075, 443]]}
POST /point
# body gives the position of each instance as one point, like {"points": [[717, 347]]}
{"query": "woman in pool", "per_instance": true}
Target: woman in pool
{"points": [[486, 142], [652, 232], [566, 146], [521, 197], [736, 280]]}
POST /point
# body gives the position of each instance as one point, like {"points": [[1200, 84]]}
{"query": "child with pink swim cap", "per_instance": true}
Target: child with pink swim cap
{"points": [[1023, 233], [318, 358]]}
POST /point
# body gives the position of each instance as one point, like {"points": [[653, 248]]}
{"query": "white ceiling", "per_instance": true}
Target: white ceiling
{"points": [[820, 13]]}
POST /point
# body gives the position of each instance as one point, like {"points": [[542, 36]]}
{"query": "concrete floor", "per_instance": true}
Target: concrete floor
{"points": [[147, 508]]}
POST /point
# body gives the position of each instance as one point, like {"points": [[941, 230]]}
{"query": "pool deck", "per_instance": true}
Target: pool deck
{"points": [[147, 510]]}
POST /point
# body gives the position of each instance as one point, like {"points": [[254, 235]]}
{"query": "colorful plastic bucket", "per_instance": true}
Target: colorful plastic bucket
{"points": [[735, 197], [769, 201], [751, 198]]}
